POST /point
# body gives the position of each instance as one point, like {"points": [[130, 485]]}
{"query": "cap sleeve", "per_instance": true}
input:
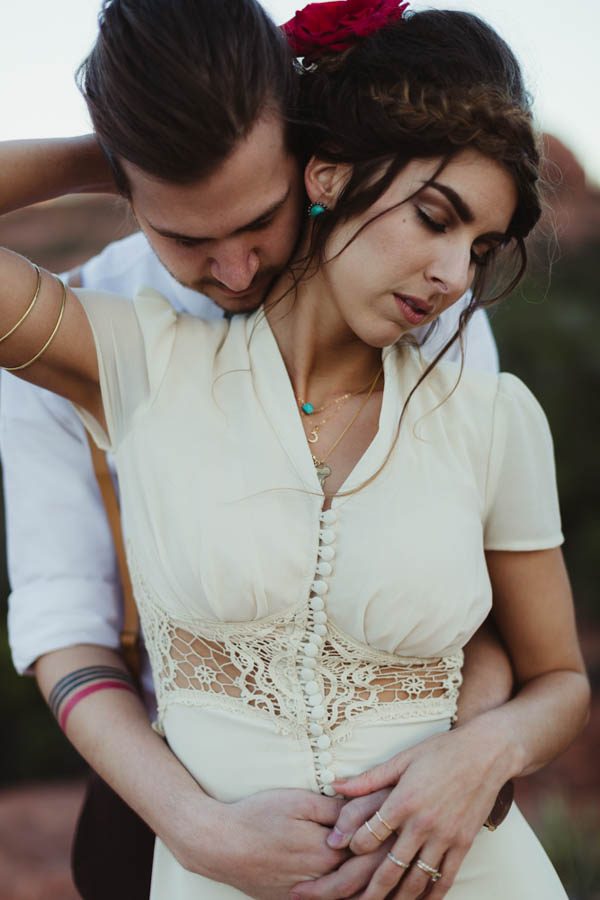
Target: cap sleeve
{"points": [[133, 341], [521, 511]]}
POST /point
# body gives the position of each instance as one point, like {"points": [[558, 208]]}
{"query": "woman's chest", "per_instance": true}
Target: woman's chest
{"points": [[226, 520]]}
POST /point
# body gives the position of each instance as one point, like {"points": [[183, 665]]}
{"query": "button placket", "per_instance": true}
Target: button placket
{"points": [[311, 650]]}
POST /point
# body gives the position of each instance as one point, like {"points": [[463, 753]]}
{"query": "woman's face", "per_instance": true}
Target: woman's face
{"points": [[420, 256]]}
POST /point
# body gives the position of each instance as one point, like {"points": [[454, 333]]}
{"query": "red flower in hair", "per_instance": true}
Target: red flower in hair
{"points": [[338, 25]]}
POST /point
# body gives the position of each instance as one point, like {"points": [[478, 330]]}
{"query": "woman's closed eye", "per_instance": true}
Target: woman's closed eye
{"points": [[482, 251], [431, 223]]}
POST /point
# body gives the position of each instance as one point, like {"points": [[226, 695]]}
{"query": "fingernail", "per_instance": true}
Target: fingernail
{"points": [[337, 839]]}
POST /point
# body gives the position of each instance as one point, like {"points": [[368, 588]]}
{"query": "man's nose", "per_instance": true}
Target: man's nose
{"points": [[234, 266]]}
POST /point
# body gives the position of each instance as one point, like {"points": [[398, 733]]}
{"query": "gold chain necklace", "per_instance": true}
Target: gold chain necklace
{"points": [[309, 409], [313, 435], [323, 470]]}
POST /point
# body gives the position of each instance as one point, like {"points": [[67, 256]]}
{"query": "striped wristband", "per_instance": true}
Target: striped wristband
{"points": [[82, 683]]}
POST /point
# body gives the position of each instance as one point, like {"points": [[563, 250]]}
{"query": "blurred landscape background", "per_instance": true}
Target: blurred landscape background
{"points": [[548, 333]]}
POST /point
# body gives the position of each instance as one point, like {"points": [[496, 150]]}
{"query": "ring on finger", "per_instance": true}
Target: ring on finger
{"points": [[434, 874], [385, 824], [372, 831], [397, 862]]}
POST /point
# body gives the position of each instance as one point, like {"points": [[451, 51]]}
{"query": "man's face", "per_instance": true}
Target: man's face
{"points": [[230, 234]]}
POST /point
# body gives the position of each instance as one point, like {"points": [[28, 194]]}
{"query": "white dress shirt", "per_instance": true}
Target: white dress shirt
{"points": [[62, 565]]}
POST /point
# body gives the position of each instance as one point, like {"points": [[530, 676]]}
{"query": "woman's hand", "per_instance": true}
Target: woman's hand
{"points": [[270, 841], [443, 789]]}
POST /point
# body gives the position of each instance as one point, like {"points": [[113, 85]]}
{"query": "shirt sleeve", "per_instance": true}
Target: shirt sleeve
{"points": [[480, 350], [61, 561], [133, 343], [522, 511]]}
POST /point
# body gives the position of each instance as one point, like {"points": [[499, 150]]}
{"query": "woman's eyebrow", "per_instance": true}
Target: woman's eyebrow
{"points": [[463, 210]]}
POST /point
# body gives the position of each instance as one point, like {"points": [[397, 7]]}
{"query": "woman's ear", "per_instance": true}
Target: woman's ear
{"points": [[324, 181]]}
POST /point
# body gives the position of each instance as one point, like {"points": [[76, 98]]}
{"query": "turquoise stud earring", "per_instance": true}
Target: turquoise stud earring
{"points": [[316, 209]]}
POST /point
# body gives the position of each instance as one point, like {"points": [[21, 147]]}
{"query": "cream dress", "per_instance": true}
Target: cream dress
{"points": [[290, 645]]}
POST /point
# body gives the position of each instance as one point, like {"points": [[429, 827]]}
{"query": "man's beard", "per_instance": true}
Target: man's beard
{"points": [[248, 300]]}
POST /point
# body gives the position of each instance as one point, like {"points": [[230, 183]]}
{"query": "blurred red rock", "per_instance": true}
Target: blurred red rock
{"points": [[36, 826]]}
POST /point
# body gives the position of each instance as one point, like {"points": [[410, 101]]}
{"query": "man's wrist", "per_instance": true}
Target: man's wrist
{"points": [[197, 833]]}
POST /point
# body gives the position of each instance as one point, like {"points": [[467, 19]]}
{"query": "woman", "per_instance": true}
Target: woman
{"points": [[272, 625]]}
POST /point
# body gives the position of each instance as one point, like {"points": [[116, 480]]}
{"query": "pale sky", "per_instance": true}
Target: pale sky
{"points": [[42, 41]]}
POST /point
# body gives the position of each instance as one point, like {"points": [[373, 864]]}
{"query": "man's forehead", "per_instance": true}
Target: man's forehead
{"points": [[220, 218], [256, 176]]}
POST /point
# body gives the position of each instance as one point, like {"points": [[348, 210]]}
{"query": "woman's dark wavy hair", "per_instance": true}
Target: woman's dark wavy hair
{"points": [[173, 85], [427, 86]]}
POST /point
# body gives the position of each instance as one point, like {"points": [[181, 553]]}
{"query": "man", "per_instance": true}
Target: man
{"points": [[189, 101]]}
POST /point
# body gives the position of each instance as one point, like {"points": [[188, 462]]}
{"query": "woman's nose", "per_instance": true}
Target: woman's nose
{"points": [[451, 270]]}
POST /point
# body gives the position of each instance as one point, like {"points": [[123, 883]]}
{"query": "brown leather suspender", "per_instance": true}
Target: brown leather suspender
{"points": [[130, 633]]}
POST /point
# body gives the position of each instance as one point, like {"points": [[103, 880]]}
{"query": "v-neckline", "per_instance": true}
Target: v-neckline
{"points": [[276, 395]]}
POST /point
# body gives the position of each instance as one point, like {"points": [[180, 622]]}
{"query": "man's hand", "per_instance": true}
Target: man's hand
{"points": [[271, 841], [355, 873]]}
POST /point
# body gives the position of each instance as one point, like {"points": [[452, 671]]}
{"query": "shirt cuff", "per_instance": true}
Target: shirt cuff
{"points": [[51, 615]]}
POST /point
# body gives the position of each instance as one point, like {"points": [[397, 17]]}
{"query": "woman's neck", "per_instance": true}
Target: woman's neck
{"points": [[324, 358]]}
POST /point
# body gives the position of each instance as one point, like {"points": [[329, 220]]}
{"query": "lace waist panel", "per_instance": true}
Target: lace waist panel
{"points": [[260, 668]]}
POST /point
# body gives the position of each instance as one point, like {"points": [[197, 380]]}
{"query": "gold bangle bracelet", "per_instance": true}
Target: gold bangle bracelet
{"points": [[29, 309], [50, 339]]}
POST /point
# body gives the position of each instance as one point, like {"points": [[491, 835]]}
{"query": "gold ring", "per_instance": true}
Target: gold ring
{"points": [[434, 874], [372, 831], [383, 822], [397, 862]]}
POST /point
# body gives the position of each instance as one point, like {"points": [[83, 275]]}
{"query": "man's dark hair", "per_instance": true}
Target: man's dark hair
{"points": [[173, 85]]}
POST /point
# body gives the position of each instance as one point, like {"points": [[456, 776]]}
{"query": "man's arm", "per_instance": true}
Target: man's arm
{"points": [[261, 845]]}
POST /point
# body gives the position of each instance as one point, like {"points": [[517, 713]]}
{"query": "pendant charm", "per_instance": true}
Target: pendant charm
{"points": [[313, 436], [323, 472], [308, 409]]}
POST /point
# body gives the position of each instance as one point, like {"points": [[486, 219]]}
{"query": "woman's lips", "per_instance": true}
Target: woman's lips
{"points": [[413, 310]]}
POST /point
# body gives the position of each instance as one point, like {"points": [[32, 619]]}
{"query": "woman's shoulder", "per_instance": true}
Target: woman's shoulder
{"points": [[478, 387], [486, 402]]}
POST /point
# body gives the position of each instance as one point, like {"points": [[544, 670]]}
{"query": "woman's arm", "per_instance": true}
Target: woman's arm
{"points": [[34, 171], [444, 788], [37, 312], [39, 320]]}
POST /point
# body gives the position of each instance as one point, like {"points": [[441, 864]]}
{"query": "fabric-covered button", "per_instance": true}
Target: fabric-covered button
{"points": [[315, 639], [327, 535], [319, 587], [317, 604], [308, 663], [315, 699], [317, 712], [315, 729], [324, 568], [329, 791], [324, 742], [325, 757], [321, 630], [326, 553], [328, 517], [310, 650], [327, 776], [306, 674], [311, 687], [320, 618]]}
